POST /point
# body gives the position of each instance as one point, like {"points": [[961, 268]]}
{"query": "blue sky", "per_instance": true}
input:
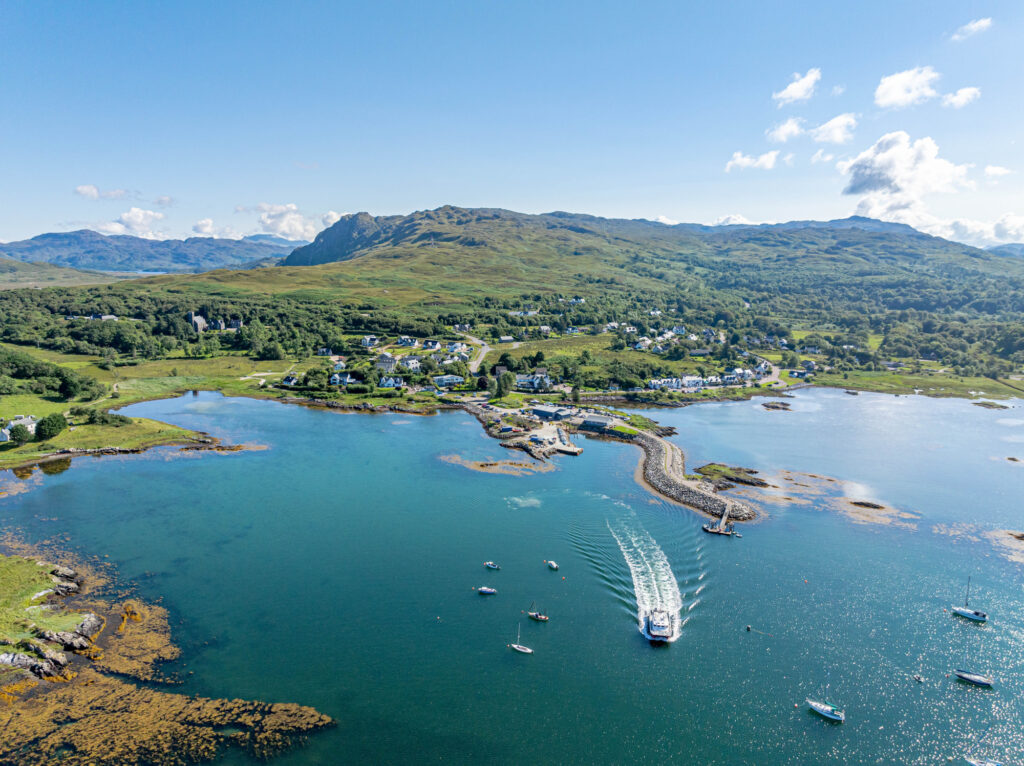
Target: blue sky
{"points": [[237, 118]]}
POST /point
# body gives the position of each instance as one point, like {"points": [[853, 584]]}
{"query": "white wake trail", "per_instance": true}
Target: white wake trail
{"points": [[653, 581]]}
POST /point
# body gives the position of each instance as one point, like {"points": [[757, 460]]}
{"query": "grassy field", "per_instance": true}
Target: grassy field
{"points": [[139, 434], [20, 580], [906, 383]]}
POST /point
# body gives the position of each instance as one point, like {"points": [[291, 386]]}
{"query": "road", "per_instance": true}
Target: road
{"points": [[474, 365]]}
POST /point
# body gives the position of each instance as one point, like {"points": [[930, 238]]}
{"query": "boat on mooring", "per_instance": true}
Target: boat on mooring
{"points": [[827, 710], [965, 611], [486, 591], [519, 647], [536, 614], [977, 679], [553, 565], [491, 565]]}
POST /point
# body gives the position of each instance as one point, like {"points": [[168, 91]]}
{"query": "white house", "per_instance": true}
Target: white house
{"points": [[643, 344], [408, 342], [431, 345], [390, 382], [339, 365], [448, 381], [290, 380], [536, 381], [342, 379], [411, 363], [369, 341], [456, 346]]}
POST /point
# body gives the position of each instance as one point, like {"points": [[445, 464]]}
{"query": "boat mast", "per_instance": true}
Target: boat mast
{"points": [[967, 595]]}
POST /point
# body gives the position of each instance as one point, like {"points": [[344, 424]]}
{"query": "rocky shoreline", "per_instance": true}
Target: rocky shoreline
{"points": [[663, 468], [70, 691]]}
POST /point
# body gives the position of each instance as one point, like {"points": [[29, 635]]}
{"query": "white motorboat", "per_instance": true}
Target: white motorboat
{"points": [[553, 565], [485, 591], [491, 565]]}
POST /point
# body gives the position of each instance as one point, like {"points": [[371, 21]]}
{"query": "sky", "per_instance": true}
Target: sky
{"points": [[186, 118]]}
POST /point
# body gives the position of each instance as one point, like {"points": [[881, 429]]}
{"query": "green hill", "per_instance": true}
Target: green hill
{"points": [[15, 274], [456, 256]]}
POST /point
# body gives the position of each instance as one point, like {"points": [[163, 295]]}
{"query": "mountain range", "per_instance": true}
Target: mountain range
{"points": [[86, 249]]}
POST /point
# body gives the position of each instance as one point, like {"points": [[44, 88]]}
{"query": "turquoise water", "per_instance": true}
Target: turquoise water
{"points": [[336, 568]]}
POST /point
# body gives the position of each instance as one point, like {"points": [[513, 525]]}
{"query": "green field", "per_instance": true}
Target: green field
{"points": [[20, 580]]}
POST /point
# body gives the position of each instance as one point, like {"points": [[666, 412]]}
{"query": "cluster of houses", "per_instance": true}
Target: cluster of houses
{"points": [[18, 420], [201, 324], [734, 377]]}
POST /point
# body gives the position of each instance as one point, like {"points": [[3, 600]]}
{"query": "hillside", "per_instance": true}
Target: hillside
{"points": [[455, 256], [15, 274], [87, 249], [1015, 250]]}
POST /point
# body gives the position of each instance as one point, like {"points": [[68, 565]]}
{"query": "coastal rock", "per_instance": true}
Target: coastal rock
{"points": [[41, 668], [68, 640], [65, 587], [66, 573], [90, 626]]}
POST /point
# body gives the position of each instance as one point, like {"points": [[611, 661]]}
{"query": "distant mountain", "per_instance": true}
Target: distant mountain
{"points": [[1015, 250], [87, 249]]}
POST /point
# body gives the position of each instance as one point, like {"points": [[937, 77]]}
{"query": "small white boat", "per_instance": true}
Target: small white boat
{"points": [[827, 710], [491, 565], [518, 647], [977, 762], [553, 565], [965, 611], [485, 591], [974, 678]]}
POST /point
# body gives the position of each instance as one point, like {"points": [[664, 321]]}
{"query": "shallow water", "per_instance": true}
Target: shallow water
{"points": [[336, 568]]}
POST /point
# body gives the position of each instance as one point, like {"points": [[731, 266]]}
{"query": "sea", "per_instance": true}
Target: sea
{"points": [[337, 567]]}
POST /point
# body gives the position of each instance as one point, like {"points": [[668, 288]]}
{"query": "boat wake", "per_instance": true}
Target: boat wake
{"points": [[656, 588]]}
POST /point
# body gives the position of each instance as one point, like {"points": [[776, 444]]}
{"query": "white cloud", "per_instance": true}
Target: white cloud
{"points": [[784, 131], [205, 228], [91, 191], [734, 219], [788, 159], [838, 130], [893, 177], [821, 156], [765, 161], [136, 222], [971, 28], [913, 86], [164, 201], [288, 221], [961, 98], [838, 90], [666, 220], [800, 88], [995, 171]]}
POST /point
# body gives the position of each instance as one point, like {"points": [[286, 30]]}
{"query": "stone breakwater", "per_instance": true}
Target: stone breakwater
{"points": [[664, 470]]}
